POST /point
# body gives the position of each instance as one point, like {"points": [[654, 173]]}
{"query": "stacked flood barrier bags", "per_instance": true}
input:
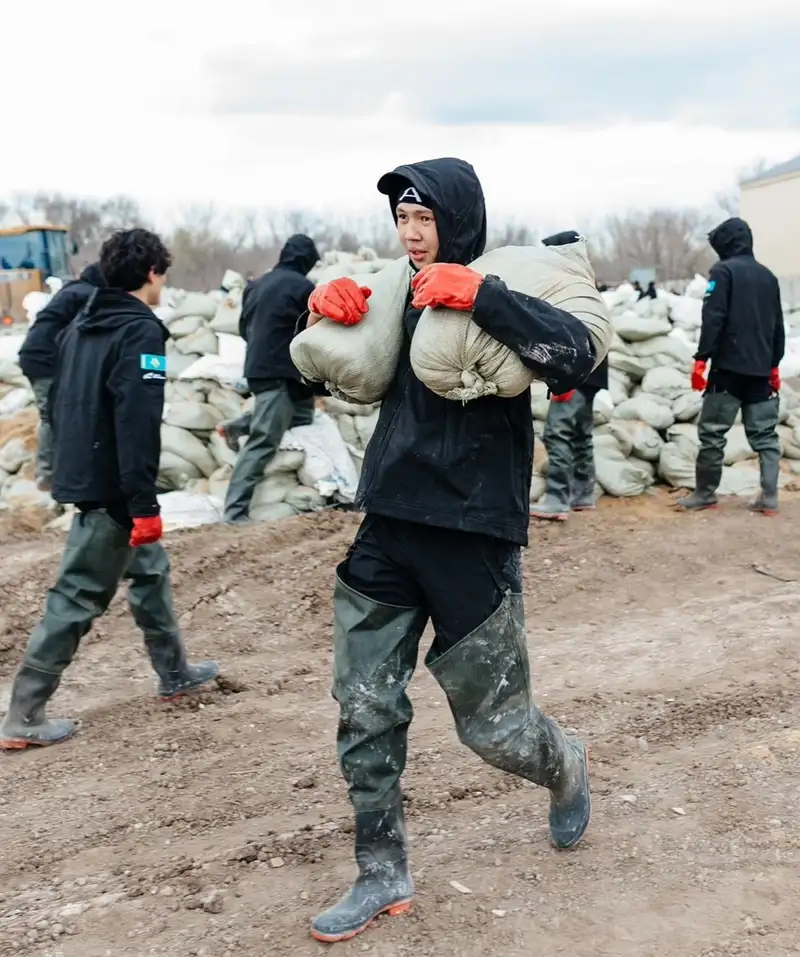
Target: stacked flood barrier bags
{"points": [[449, 353]]}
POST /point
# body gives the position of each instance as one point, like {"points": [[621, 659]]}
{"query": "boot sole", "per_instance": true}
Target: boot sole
{"points": [[183, 692], [697, 508], [393, 910], [22, 744], [549, 518], [576, 840]]}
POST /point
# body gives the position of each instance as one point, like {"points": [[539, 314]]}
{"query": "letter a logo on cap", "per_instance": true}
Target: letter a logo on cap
{"points": [[410, 196]]}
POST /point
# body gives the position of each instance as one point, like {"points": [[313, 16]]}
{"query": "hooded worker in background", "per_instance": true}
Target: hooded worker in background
{"points": [[743, 337], [37, 357], [106, 405], [569, 438], [445, 487], [271, 308]]}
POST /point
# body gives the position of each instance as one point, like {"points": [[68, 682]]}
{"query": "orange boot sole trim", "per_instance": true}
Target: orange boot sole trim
{"points": [[394, 910]]}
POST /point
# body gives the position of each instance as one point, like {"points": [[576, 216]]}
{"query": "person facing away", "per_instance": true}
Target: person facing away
{"points": [[37, 357], [743, 337], [445, 488], [569, 437], [271, 308], [106, 406]]}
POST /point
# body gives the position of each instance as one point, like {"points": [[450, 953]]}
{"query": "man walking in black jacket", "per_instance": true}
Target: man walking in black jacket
{"points": [[106, 403], [271, 308], [743, 337], [569, 438], [37, 357], [445, 487]]}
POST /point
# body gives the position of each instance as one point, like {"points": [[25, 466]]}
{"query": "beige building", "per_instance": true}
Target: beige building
{"points": [[770, 202]]}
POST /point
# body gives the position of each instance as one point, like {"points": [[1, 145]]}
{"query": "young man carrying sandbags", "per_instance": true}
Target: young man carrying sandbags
{"points": [[271, 308], [569, 438], [445, 487], [743, 337], [106, 406]]}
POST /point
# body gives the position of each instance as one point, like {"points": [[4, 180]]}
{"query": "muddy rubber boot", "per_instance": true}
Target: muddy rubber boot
{"points": [[177, 676], [233, 430], [383, 885], [767, 501], [25, 724], [705, 493], [550, 509], [486, 678], [717, 416], [583, 496]]}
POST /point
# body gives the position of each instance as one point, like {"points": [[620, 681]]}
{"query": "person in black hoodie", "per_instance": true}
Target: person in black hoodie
{"points": [[568, 438], [37, 357], [106, 406], [271, 308], [743, 337], [445, 487]]}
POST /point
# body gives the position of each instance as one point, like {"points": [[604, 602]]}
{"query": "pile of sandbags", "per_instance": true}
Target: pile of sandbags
{"points": [[335, 264]]}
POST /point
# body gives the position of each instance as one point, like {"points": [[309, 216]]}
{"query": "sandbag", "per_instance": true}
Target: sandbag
{"points": [[195, 416], [13, 455], [328, 465], [15, 400], [177, 391], [229, 311], [538, 487], [737, 448], [203, 342], [273, 489], [620, 476], [603, 407], [174, 471], [285, 462], [645, 442], [185, 326], [540, 403], [457, 360], [227, 402], [790, 441], [304, 499], [194, 304], [687, 407], [177, 364], [666, 382], [188, 447], [676, 464], [652, 409], [634, 328], [336, 407], [357, 363], [23, 493], [11, 374], [271, 512]]}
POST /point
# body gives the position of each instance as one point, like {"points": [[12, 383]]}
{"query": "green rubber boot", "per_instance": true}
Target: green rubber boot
{"points": [[26, 725]]}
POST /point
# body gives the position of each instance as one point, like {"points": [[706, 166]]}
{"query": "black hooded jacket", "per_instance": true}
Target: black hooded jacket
{"points": [[271, 308], [37, 357], [467, 466], [106, 405], [742, 329]]}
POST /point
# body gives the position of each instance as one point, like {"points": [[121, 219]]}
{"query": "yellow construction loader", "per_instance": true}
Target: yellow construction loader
{"points": [[28, 256]]}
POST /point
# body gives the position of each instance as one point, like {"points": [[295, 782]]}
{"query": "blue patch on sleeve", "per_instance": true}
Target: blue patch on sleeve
{"points": [[153, 363], [712, 285]]}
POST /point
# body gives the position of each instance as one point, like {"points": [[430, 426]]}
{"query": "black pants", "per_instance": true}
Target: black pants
{"points": [[458, 578]]}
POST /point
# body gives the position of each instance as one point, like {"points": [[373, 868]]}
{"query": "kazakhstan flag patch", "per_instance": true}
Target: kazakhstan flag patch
{"points": [[153, 363]]}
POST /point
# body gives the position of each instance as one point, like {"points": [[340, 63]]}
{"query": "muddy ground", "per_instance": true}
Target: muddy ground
{"points": [[219, 826]]}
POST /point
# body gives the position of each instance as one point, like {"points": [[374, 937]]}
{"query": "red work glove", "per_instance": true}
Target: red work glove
{"points": [[446, 284], [341, 300], [699, 383], [775, 380], [564, 397], [146, 531]]}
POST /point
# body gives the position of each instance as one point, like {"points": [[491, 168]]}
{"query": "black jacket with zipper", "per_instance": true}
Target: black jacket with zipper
{"points": [[467, 466], [106, 405], [742, 330], [271, 307], [37, 357]]}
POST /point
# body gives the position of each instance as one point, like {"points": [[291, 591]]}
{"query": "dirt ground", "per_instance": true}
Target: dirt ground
{"points": [[220, 825]]}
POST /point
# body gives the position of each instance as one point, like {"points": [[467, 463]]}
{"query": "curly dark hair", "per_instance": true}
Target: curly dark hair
{"points": [[128, 256]]}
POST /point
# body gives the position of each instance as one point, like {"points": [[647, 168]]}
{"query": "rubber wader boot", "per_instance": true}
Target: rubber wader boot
{"points": [[486, 678], [384, 884], [550, 509], [25, 724], [177, 676], [375, 650], [717, 416], [583, 499], [767, 501], [233, 430]]}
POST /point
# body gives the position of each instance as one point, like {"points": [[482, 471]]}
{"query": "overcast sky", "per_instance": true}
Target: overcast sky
{"points": [[569, 112]]}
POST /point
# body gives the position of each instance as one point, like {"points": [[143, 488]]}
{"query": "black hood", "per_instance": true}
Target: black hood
{"points": [[93, 274], [567, 238], [732, 238], [299, 253], [109, 309], [454, 190]]}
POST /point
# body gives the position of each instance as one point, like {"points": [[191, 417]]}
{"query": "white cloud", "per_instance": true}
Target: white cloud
{"points": [[123, 109]]}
